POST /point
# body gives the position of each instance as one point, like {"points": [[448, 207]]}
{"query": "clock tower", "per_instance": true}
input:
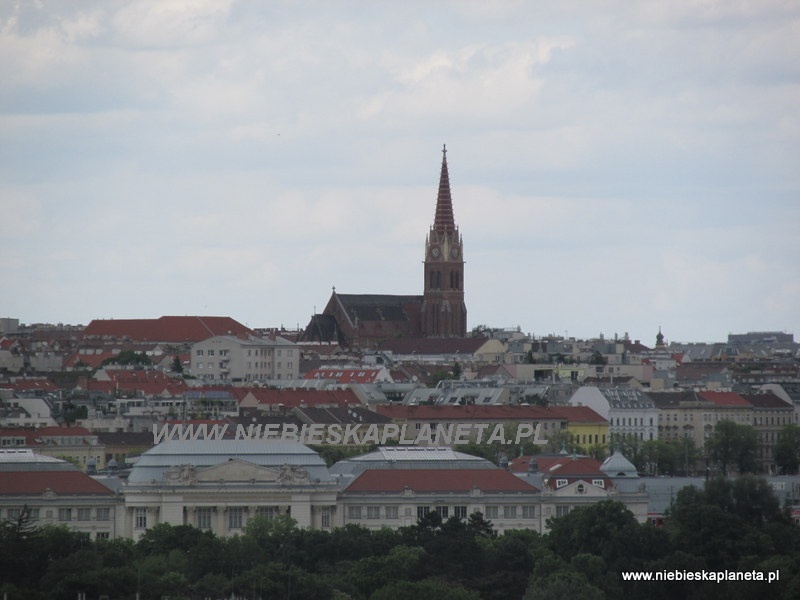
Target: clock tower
{"points": [[444, 313]]}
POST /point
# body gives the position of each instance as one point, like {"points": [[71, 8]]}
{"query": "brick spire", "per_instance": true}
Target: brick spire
{"points": [[444, 221]]}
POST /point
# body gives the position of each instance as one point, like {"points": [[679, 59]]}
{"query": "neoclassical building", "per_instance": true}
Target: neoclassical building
{"points": [[219, 485]]}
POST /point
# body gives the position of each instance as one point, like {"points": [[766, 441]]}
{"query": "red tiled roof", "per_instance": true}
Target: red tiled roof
{"points": [[438, 480], [92, 360], [294, 398], [562, 464], [767, 400], [724, 398], [39, 437], [166, 329], [345, 375], [40, 383], [30, 435], [469, 412], [578, 414], [60, 482]]}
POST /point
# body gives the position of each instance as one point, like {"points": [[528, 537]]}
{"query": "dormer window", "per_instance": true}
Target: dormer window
{"points": [[561, 483]]}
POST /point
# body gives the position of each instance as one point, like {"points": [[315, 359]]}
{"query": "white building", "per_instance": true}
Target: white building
{"points": [[219, 485], [628, 411], [43, 490], [232, 359]]}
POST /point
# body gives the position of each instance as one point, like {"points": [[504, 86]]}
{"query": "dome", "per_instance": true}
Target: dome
{"points": [[617, 465]]}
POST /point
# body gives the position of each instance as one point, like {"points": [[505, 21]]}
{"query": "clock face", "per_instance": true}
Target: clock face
{"points": [[435, 252], [454, 252]]}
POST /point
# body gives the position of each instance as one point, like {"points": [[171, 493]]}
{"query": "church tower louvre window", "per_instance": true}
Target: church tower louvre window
{"points": [[444, 313]]}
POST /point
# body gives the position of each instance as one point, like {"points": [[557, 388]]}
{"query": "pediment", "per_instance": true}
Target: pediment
{"points": [[237, 470], [581, 487]]}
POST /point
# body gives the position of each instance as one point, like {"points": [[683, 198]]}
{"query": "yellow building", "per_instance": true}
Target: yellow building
{"points": [[585, 427]]}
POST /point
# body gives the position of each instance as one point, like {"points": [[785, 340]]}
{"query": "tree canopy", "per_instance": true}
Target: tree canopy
{"points": [[730, 524]]}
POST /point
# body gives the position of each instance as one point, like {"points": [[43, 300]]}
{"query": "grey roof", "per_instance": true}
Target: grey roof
{"points": [[25, 455], [409, 457], [617, 465], [205, 453], [626, 398], [14, 459]]}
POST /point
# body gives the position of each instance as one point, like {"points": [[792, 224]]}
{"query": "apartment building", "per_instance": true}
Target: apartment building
{"points": [[245, 359]]}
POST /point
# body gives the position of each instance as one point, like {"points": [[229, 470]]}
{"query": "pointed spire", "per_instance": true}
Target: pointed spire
{"points": [[444, 220]]}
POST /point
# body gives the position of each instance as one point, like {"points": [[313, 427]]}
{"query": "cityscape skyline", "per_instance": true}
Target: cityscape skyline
{"points": [[614, 169]]}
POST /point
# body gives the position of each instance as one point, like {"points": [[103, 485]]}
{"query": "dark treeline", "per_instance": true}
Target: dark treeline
{"points": [[731, 525]]}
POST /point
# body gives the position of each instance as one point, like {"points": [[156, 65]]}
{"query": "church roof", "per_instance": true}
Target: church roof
{"points": [[377, 307]]}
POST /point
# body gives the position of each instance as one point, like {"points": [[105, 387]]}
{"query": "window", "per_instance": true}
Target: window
{"points": [[211, 353], [199, 352], [354, 512], [561, 483], [102, 535], [509, 512], [444, 512], [460, 512], [84, 514], [103, 514], [325, 517], [492, 512], [140, 518], [203, 517], [562, 511], [235, 517], [13, 514], [423, 511], [65, 514], [373, 512], [267, 512], [599, 483], [529, 511], [392, 512]]}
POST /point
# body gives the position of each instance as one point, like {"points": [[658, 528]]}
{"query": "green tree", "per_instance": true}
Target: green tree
{"points": [[729, 522], [597, 358], [177, 365], [668, 457], [733, 445], [787, 450], [429, 589], [128, 357], [456, 371], [564, 584]]}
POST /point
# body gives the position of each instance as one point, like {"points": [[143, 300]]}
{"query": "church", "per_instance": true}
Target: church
{"points": [[363, 321]]}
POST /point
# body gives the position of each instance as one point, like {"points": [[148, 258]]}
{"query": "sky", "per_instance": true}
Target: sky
{"points": [[615, 166]]}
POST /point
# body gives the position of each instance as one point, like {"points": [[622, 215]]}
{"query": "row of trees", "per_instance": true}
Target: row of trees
{"points": [[729, 525], [731, 447]]}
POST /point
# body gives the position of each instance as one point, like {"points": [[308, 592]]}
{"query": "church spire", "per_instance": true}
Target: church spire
{"points": [[444, 221]]}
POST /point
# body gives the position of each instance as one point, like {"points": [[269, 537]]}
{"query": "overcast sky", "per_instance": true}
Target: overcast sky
{"points": [[615, 165]]}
